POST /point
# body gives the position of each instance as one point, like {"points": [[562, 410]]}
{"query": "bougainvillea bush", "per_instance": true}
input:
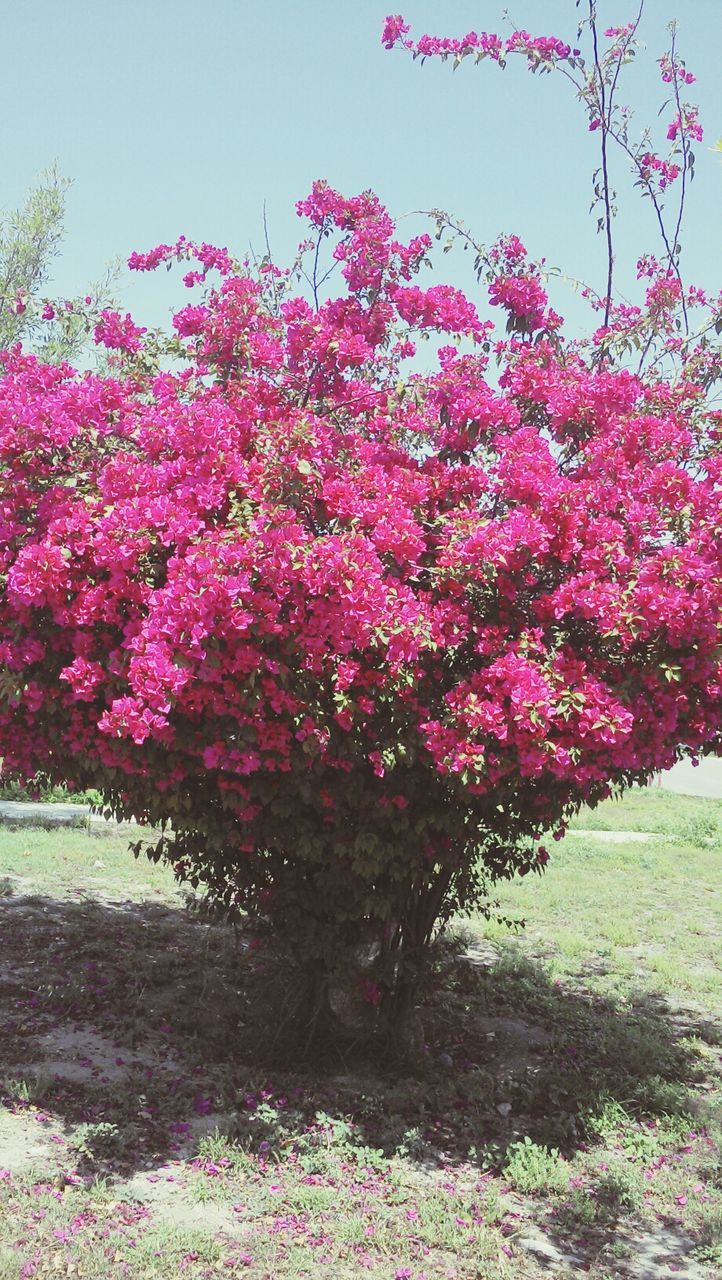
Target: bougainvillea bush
{"points": [[356, 628]]}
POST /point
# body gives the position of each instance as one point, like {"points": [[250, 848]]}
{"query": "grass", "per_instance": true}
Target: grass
{"points": [[632, 915], [686, 818], [567, 1081], [71, 864]]}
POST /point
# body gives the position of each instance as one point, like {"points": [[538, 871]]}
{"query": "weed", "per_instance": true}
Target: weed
{"points": [[96, 1142], [619, 1190], [413, 1145], [329, 1141], [609, 1117], [535, 1169], [709, 1235], [17, 1090], [640, 1143]]}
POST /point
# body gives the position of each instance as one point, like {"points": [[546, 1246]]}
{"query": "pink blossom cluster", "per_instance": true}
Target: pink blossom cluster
{"points": [[508, 252], [524, 297], [394, 30], [673, 69], [209, 256], [686, 122], [548, 48], [440, 307], [118, 333], [666, 171], [484, 44]]}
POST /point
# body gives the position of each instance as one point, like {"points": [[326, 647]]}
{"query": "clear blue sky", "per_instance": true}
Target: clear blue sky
{"points": [[177, 116]]}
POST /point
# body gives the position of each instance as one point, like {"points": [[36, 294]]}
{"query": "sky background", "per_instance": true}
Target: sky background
{"points": [[173, 116]]}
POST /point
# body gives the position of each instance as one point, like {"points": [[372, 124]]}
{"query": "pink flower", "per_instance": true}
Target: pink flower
{"points": [[394, 30], [190, 320], [118, 333], [370, 992], [522, 296], [686, 122]]}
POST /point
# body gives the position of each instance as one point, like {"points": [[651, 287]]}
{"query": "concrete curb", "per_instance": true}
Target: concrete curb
{"points": [[15, 814]]}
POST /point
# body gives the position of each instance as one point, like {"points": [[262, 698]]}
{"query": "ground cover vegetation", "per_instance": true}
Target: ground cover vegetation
{"points": [[561, 1115], [41, 790], [353, 634]]}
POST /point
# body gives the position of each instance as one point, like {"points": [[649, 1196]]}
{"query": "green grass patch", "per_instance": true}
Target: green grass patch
{"points": [[632, 916], [67, 862], [689, 819]]}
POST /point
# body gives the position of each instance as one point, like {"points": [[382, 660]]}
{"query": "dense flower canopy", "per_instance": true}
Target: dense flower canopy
{"points": [[340, 620]]}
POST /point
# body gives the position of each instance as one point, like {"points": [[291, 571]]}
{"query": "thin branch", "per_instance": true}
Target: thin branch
{"points": [[315, 282], [269, 257], [605, 121], [627, 42], [683, 185], [659, 214]]}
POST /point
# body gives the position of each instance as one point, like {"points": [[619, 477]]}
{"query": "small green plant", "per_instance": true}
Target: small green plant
{"points": [[96, 1142], [709, 1235], [640, 1143], [267, 1130], [27, 1090], [531, 1168], [16, 1090], [606, 1121], [329, 1141], [613, 1193], [487, 1155], [492, 1204], [41, 788], [578, 1211], [413, 1144], [619, 1190]]}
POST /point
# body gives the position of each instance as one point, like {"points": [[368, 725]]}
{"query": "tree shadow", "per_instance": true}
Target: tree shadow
{"points": [[138, 1029]]}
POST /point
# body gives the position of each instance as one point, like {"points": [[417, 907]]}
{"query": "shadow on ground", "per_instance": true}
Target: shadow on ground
{"points": [[133, 1030]]}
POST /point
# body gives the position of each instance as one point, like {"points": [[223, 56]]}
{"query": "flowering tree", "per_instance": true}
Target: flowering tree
{"points": [[361, 634], [30, 239]]}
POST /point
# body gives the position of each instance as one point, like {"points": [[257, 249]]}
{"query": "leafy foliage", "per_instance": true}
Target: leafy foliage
{"points": [[30, 240]]}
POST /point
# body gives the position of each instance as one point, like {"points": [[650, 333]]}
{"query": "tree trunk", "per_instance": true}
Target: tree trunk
{"points": [[317, 1021]]}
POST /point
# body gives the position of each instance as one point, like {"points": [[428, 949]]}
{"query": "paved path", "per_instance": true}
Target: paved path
{"points": [[704, 780], [18, 813], [29, 813]]}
